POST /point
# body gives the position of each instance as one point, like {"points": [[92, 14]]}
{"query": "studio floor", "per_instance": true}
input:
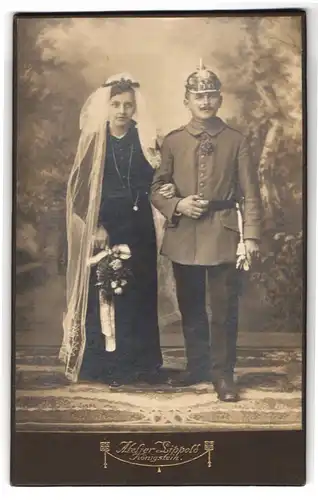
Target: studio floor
{"points": [[269, 372], [269, 379]]}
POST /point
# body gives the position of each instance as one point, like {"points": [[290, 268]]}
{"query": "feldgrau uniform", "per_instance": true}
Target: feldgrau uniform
{"points": [[212, 161]]}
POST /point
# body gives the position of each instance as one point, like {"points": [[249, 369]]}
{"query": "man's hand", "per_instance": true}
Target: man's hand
{"points": [[168, 191], [192, 206], [252, 250], [100, 238]]}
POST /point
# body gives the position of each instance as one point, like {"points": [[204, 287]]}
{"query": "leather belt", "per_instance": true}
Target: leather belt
{"points": [[218, 205]]}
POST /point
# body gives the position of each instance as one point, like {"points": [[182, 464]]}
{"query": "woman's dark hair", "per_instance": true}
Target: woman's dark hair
{"points": [[120, 88]]}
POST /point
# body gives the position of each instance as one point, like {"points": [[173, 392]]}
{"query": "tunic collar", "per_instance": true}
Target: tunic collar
{"points": [[212, 127]]}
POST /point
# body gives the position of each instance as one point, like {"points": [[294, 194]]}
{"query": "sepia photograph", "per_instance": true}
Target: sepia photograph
{"points": [[159, 223]]}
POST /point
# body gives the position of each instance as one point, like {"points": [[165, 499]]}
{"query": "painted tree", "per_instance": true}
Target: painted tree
{"points": [[264, 74], [49, 95]]}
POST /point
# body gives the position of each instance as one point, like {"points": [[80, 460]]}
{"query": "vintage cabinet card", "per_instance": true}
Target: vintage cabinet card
{"points": [[159, 248]]}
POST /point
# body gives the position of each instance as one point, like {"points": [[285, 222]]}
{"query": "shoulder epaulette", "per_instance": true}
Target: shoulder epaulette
{"points": [[234, 129], [175, 130]]}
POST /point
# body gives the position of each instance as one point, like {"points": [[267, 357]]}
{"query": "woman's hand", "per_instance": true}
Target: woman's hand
{"points": [[100, 238], [192, 206], [168, 190]]}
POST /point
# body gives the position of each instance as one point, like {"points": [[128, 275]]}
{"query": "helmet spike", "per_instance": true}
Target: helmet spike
{"points": [[203, 80]]}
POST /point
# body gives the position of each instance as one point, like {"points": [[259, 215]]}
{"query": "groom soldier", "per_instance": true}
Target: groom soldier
{"points": [[209, 164]]}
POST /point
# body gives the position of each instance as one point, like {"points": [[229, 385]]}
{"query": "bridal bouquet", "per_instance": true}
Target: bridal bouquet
{"points": [[113, 272]]}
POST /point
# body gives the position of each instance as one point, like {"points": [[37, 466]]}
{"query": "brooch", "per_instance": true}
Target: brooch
{"points": [[206, 146]]}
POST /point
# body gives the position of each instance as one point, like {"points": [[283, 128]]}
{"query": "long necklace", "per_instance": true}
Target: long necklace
{"points": [[135, 203]]}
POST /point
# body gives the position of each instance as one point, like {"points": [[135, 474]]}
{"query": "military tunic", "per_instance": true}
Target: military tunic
{"points": [[226, 173]]}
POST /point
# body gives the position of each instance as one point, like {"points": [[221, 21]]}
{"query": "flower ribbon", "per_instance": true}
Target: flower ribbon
{"points": [[106, 308]]}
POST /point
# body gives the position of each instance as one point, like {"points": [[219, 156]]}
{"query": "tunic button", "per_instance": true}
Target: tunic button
{"points": [[201, 184]]}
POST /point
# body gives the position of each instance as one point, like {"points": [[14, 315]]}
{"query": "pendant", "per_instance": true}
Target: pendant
{"points": [[135, 208]]}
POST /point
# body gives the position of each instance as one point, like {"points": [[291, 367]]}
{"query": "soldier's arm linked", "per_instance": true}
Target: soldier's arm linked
{"points": [[164, 175]]}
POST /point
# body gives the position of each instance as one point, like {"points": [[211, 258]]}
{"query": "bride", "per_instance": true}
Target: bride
{"points": [[117, 340]]}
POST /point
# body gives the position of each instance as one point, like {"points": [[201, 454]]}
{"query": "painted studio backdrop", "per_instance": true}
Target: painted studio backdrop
{"points": [[59, 63]]}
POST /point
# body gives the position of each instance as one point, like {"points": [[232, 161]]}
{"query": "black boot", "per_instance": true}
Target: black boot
{"points": [[226, 389], [188, 378], [115, 383], [117, 380]]}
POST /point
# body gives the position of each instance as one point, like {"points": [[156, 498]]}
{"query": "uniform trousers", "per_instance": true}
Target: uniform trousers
{"points": [[210, 351]]}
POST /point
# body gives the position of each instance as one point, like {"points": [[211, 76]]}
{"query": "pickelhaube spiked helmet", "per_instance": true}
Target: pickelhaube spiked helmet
{"points": [[203, 80]]}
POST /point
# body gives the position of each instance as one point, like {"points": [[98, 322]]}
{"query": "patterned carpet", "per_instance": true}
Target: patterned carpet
{"points": [[269, 381]]}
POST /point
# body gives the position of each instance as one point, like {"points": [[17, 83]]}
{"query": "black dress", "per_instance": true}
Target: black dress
{"points": [[136, 317]]}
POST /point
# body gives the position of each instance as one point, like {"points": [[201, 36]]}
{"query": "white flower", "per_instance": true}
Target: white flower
{"points": [[241, 251], [116, 264], [154, 157], [123, 282], [114, 284], [118, 291], [124, 251], [115, 251], [277, 236], [242, 263]]}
